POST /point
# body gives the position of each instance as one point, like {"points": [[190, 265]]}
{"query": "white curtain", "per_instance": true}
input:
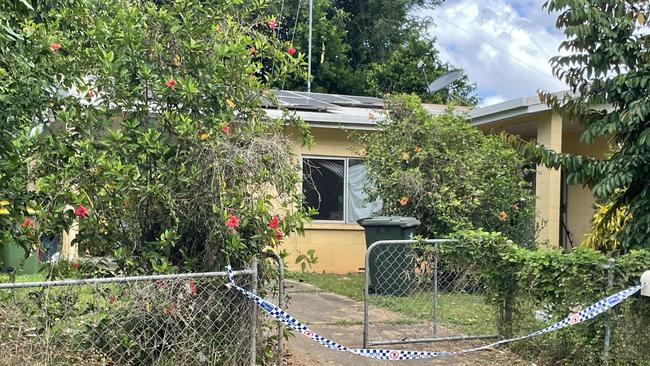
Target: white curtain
{"points": [[358, 206]]}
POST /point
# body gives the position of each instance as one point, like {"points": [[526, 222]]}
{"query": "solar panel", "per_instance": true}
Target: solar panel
{"points": [[370, 102], [321, 101], [334, 99], [349, 100], [298, 100]]}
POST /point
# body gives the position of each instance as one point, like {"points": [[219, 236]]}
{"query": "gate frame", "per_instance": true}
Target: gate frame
{"points": [[366, 338]]}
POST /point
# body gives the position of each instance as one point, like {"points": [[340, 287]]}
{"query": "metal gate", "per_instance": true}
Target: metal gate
{"points": [[414, 293]]}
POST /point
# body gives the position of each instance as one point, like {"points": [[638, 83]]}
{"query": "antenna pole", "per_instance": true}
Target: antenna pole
{"points": [[311, 7]]}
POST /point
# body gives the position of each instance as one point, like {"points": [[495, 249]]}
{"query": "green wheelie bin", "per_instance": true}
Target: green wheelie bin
{"points": [[391, 266]]}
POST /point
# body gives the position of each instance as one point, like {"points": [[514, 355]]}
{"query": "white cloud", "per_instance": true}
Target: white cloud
{"points": [[504, 45]]}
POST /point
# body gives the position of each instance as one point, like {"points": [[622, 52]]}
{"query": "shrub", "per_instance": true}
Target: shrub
{"points": [[143, 123], [446, 173], [524, 282]]}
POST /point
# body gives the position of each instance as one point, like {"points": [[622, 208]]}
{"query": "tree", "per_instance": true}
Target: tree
{"points": [[146, 119], [446, 173], [607, 70], [411, 68], [359, 47]]}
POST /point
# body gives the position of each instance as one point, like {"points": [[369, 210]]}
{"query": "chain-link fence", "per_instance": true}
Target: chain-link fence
{"points": [[185, 319], [436, 300]]}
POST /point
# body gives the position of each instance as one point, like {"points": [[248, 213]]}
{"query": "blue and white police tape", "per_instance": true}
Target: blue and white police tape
{"points": [[392, 355]]}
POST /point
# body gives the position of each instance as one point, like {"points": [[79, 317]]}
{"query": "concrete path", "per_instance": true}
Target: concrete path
{"points": [[341, 319]]}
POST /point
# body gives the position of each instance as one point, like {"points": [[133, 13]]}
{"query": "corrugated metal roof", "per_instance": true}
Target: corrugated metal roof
{"points": [[334, 110]]}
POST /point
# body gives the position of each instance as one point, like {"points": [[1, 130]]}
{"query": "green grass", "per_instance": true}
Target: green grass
{"points": [[464, 313], [38, 277]]}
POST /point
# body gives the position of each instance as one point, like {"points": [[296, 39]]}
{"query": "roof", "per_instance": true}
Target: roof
{"points": [[508, 109], [335, 110], [505, 110]]}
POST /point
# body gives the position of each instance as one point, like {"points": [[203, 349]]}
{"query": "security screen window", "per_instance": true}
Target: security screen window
{"points": [[335, 187]]}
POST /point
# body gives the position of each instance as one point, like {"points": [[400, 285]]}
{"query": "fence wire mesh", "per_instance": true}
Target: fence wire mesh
{"points": [[192, 320], [433, 297]]}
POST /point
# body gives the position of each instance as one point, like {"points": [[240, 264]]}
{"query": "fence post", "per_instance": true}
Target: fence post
{"points": [[435, 290], [611, 264], [366, 294], [280, 263], [253, 325]]}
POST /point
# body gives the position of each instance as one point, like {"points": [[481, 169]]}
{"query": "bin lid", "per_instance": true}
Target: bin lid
{"points": [[401, 221]]}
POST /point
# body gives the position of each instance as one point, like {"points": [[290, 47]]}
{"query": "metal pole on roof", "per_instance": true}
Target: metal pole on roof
{"points": [[311, 8]]}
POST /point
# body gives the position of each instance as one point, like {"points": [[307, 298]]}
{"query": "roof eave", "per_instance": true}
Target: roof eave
{"points": [[506, 110]]}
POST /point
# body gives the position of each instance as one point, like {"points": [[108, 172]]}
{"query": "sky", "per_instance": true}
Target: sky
{"points": [[503, 45]]}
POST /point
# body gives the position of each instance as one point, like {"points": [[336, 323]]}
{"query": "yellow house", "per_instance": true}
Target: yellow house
{"points": [[333, 177], [564, 211]]}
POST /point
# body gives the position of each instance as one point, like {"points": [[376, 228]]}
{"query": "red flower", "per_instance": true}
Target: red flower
{"points": [[279, 234], [75, 265], [233, 221], [291, 51], [191, 288], [272, 24], [27, 222], [170, 83], [226, 129], [112, 299], [274, 222], [55, 47], [81, 211]]}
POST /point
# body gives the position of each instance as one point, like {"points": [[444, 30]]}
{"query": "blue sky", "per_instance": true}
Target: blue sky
{"points": [[504, 45]]}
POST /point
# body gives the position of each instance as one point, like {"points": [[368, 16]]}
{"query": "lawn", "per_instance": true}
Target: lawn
{"points": [[462, 313], [38, 277]]}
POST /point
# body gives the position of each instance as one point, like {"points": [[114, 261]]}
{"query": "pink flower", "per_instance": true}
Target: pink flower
{"points": [[226, 129], [81, 211], [279, 234], [274, 222], [233, 221], [291, 51], [55, 47], [272, 24], [170, 83]]}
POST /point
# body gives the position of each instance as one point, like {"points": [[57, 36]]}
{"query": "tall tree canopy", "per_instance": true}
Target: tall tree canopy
{"points": [[368, 47], [607, 69]]}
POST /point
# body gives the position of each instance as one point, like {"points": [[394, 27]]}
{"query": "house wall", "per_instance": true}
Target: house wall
{"points": [[564, 136], [340, 247], [548, 182], [580, 200]]}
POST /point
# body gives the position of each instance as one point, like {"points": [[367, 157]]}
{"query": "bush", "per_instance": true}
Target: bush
{"points": [[143, 123], [554, 283], [446, 173]]}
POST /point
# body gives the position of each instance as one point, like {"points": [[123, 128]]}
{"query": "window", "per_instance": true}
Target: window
{"points": [[335, 187]]}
